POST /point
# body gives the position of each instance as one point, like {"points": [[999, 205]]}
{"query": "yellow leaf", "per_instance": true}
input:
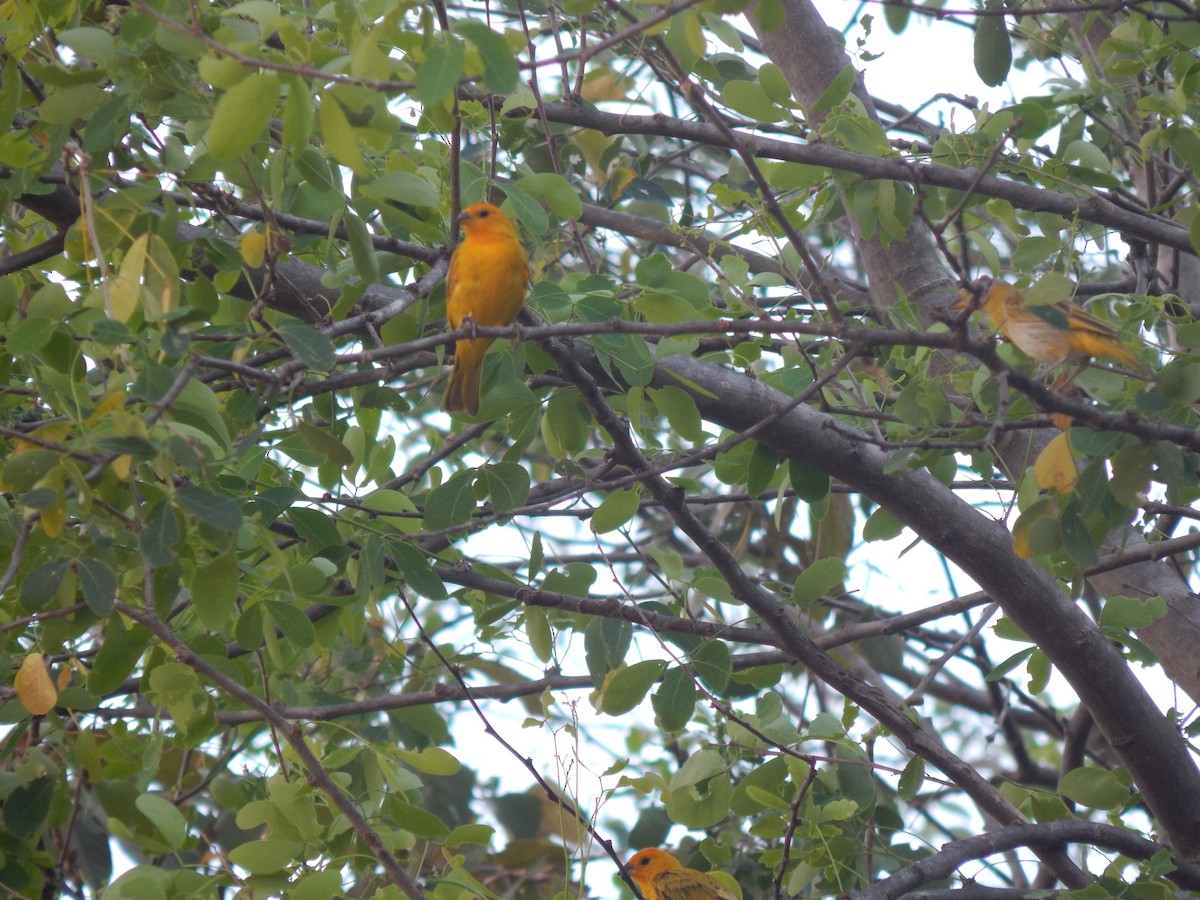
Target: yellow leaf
{"points": [[125, 290], [54, 433], [254, 248], [1055, 466], [1021, 530], [621, 177], [593, 144], [605, 84], [107, 405], [121, 465], [34, 688], [53, 517], [338, 135]]}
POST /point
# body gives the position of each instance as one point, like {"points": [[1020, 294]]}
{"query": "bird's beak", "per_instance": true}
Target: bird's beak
{"points": [[463, 217]]}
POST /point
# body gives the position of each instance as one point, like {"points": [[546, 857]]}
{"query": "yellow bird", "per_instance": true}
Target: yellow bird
{"points": [[486, 285], [660, 876], [1053, 333]]}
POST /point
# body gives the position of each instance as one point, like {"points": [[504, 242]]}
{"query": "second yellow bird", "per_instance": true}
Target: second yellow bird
{"points": [[486, 284], [1055, 333], [660, 876]]}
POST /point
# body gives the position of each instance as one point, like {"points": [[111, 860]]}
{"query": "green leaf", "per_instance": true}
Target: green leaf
{"points": [[416, 570], [1017, 659], [26, 807], [265, 857], [297, 117], [200, 408], [362, 250], [470, 834], [993, 48], [67, 104], [556, 191], [117, 656], [696, 799], [507, 485], [241, 116], [214, 591], [564, 424], [1094, 787], [213, 509], [41, 585], [406, 188], [10, 89], [681, 411], [248, 630], [896, 15], [317, 885], [98, 583], [325, 445], [339, 134], [776, 86], [810, 484], [1034, 250], [431, 761], [713, 664], [1131, 613], [814, 581], [537, 630], [881, 525], [749, 99], [615, 510], [675, 700], [500, 69], [30, 336], [160, 534], [838, 90], [451, 504], [315, 528], [1039, 670], [1076, 539], [911, 779], [95, 44], [764, 461], [294, 624], [309, 346], [166, 818], [23, 471], [315, 168], [420, 822], [629, 686], [440, 72], [605, 643]]}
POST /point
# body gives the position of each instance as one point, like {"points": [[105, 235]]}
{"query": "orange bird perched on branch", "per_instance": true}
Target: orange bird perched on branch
{"points": [[1054, 333], [488, 279], [660, 876]]}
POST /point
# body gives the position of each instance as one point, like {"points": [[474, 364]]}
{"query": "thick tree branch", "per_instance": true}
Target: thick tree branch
{"points": [[1151, 748]]}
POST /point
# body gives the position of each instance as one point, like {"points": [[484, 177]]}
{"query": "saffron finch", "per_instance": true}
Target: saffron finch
{"points": [[660, 876], [1054, 333], [489, 275]]}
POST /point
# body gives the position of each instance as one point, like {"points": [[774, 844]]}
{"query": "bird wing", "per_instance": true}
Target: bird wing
{"points": [[688, 884], [1085, 334], [1059, 315]]}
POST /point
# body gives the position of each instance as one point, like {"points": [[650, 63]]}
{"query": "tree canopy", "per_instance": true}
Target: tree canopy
{"points": [[254, 581]]}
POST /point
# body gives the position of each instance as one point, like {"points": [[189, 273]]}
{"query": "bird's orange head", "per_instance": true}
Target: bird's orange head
{"points": [[997, 299], [486, 221], [645, 865], [972, 295]]}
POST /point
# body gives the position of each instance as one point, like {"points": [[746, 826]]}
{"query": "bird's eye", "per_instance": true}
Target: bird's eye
{"points": [[483, 214], [644, 861]]}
